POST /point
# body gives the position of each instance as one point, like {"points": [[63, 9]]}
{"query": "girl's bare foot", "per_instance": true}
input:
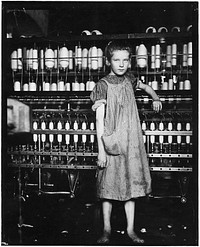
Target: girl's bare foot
{"points": [[105, 238], [135, 239]]}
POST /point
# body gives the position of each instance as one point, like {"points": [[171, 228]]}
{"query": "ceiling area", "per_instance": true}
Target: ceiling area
{"points": [[52, 18]]}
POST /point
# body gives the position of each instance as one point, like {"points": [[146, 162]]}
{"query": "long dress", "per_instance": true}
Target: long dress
{"points": [[127, 175]]}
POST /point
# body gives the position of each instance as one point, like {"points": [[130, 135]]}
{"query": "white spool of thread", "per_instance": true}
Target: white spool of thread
{"points": [[175, 81], [89, 58], [30, 58], [179, 139], [170, 126], [19, 58], [70, 60], [67, 86], [14, 60], [91, 126], [174, 54], [79, 57], [85, 59], [54, 86], [82, 86], [67, 126], [42, 59], [63, 57], [51, 125], [49, 58], [152, 126], [161, 139], [92, 136], [17, 86], [181, 85], [25, 87], [35, 137], [179, 126], [84, 128], [43, 137], [94, 58], [67, 139], [142, 56], [162, 30], [55, 58], [87, 85], [188, 126], [51, 138], [59, 138], [171, 84], [43, 125], [67, 136], [35, 125], [175, 29], [161, 126], [144, 126], [187, 85], [189, 28], [157, 58], [188, 139], [189, 61], [153, 56], [169, 56], [185, 56], [75, 126], [154, 85], [150, 30], [152, 139], [35, 59], [59, 127], [32, 86], [86, 32], [61, 85], [165, 85], [75, 86], [96, 32], [170, 139], [100, 58], [91, 85], [46, 86]]}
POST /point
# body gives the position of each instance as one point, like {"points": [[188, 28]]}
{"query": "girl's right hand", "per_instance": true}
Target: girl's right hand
{"points": [[101, 160]]}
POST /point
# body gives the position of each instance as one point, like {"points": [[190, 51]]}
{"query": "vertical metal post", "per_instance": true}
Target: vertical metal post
{"points": [[39, 163]]}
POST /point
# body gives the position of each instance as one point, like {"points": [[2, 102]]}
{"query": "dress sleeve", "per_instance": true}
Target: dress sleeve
{"points": [[99, 92], [134, 80]]}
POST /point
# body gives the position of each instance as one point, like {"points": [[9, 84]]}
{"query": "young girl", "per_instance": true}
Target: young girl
{"points": [[123, 172]]}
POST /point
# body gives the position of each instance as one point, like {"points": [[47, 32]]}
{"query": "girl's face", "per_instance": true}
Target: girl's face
{"points": [[120, 62]]}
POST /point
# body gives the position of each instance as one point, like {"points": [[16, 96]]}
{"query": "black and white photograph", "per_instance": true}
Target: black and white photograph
{"points": [[99, 123]]}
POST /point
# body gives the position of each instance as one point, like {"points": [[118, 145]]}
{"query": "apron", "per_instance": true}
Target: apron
{"points": [[127, 174]]}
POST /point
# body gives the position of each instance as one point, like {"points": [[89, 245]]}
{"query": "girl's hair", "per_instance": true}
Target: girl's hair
{"points": [[116, 45]]}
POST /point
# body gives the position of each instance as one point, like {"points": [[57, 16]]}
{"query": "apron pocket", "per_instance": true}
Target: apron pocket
{"points": [[111, 144]]}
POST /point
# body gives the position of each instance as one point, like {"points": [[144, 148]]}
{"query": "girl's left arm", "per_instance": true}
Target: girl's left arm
{"points": [[157, 105]]}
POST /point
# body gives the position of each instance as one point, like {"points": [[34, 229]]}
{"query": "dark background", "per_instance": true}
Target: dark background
{"points": [[64, 18]]}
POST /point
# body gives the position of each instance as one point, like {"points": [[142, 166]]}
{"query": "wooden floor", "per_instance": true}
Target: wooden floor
{"points": [[60, 220]]}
